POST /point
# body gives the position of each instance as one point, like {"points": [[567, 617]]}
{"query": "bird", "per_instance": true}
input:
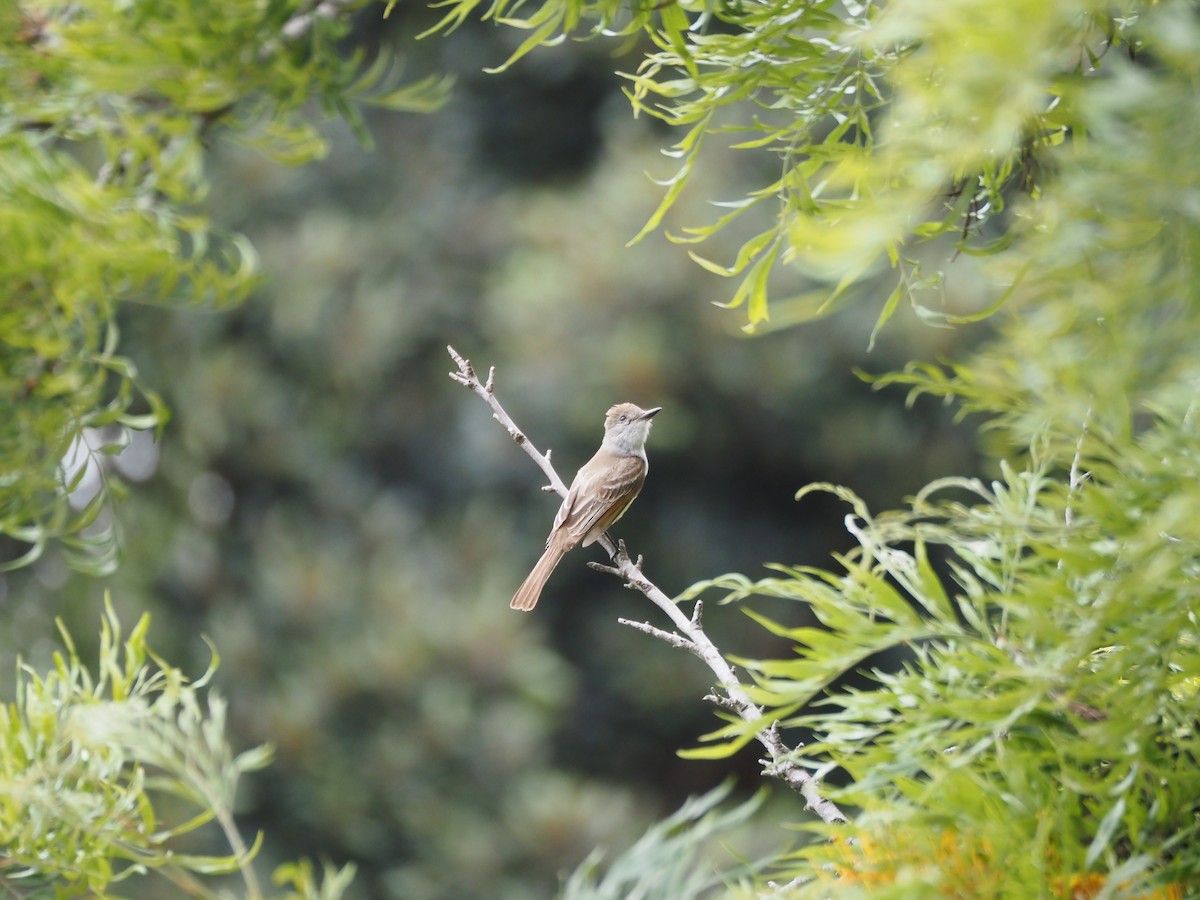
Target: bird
{"points": [[600, 493]]}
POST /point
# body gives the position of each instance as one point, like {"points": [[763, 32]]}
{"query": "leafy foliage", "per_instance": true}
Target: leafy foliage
{"points": [[1047, 697], [107, 112], [106, 773], [1041, 721], [669, 860], [1028, 720], [890, 126]]}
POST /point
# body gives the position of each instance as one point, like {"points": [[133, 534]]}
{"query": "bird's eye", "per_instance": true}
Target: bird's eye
{"points": [[623, 417]]}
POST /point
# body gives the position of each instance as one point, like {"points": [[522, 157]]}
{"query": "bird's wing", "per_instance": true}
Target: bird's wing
{"points": [[599, 497]]}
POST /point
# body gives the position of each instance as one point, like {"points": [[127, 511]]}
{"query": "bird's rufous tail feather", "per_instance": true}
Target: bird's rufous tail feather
{"points": [[527, 594]]}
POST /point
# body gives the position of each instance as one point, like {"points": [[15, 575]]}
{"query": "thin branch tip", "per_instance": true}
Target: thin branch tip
{"points": [[463, 363]]}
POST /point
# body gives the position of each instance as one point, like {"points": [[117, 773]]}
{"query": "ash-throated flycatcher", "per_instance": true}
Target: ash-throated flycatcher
{"points": [[599, 495]]}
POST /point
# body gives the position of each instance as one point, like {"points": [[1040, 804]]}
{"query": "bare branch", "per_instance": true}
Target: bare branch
{"points": [[487, 391], [668, 636], [781, 765], [689, 631]]}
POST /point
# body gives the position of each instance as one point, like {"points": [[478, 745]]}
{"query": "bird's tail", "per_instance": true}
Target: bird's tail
{"points": [[527, 594]]}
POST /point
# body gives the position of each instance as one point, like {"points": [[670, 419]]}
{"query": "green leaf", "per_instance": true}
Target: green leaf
{"points": [[1104, 832], [885, 315]]}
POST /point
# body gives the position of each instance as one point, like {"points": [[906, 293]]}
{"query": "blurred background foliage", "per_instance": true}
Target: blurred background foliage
{"points": [[346, 524]]}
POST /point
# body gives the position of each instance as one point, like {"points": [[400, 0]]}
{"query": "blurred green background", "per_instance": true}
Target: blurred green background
{"points": [[347, 525]]}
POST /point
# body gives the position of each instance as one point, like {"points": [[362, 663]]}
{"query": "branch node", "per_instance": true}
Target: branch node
{"points": [[725, 702]]}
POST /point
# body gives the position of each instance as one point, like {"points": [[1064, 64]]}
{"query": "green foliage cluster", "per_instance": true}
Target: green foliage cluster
{"points": [[104, 775], [106, 112], [899, 130], [1046, 710], [672, 858]]}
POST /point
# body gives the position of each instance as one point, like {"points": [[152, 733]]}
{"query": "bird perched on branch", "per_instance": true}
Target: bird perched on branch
{"points": [[601, 492]]}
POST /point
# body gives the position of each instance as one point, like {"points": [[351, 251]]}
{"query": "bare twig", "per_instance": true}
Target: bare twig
{"points": [[669, 637], [689, 632], [487, 390], [721, 701]]}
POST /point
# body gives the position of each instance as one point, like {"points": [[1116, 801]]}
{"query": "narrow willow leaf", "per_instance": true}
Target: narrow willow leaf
{"points": [[931, 593], [691, 146], [885, 315], [546, 24], [1104, 832], [756, 283]]}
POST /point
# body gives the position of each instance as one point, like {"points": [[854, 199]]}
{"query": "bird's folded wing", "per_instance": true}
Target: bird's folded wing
{"points": [[598, 500]]}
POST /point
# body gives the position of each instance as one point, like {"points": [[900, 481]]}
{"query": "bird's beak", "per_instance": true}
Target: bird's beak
{"points": [[651, 413]]}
